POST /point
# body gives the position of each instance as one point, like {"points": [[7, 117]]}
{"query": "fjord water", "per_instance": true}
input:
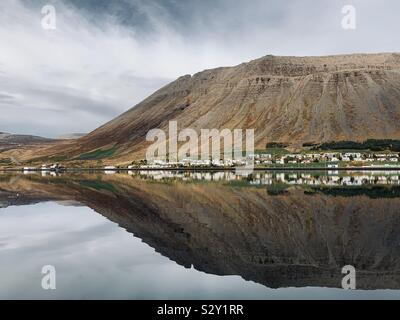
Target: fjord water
{"points": [[200, 235]]}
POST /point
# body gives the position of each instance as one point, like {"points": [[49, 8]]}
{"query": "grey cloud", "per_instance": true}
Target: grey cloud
{"points": [[106, 56], [6, 97]]}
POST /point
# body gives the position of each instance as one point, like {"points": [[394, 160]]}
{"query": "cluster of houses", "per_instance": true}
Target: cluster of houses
{"points": [[188, 162], [45, 168], [358, 178], [331, 157], [269, 159]]}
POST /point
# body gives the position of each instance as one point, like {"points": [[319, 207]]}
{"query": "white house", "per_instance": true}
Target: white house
{"points": [[333, 166], [109, 169]]}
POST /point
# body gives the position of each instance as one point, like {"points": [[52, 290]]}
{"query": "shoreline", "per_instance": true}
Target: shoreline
{"points": [[207, 169]]}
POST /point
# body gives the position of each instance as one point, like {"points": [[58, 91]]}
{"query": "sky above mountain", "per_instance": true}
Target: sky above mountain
{"points": [[106, 56]]}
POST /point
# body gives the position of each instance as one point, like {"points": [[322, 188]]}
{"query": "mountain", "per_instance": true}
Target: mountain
{"points": [[294, 100], [71, 136], [8, 139]]}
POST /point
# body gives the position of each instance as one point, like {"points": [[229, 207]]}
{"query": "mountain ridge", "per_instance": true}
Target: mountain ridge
{"points": [[270, 90], [293, 100]]}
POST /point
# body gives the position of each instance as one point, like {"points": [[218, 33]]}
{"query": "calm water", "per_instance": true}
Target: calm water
{"points": [[177, 235]]}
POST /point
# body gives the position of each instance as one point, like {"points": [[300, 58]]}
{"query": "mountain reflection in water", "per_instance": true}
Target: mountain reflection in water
{"points": [[292, 229]]}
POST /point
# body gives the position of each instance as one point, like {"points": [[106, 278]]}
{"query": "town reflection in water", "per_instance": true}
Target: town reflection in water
{"points": [[277, 229]]}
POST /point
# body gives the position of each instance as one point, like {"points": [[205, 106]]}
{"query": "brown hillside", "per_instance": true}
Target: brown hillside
{"points": [[285, 99]]}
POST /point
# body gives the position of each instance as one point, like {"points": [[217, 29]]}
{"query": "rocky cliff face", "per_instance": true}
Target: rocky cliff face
{"points": [[294, 100], [285, 99]]}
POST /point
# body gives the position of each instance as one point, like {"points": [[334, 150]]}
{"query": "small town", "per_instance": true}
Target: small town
{"points": [[330, 178], [328, 160]]}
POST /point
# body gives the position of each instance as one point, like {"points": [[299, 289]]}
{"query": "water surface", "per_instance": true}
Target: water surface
{"points": [[181, 235]]}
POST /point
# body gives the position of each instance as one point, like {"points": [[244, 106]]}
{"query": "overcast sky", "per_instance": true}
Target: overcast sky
{"points": [[106, 56]]}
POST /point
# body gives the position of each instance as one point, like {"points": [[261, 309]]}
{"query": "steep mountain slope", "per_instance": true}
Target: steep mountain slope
{"points": [[294, 100]]}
